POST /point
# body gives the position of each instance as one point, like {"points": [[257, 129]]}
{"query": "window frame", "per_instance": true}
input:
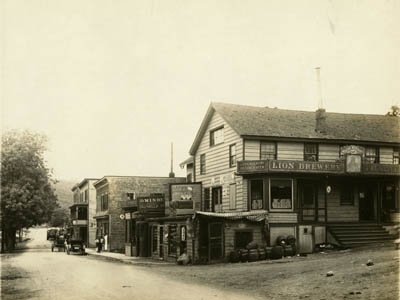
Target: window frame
{"points": [[212, 136], [292, 195], [232, 164], [316, 152], [396, 157], [366, 157], [275, 150], [263, 194], [202, 164]]}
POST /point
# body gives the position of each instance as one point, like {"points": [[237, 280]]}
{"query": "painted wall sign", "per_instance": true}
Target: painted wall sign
{"points": [[154, 204], [185, 198], [252, 166], [305, 166], [353, 163], [381, 169]]}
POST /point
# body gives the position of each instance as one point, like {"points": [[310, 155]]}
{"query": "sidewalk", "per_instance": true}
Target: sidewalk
{"points": [[111, 256]]}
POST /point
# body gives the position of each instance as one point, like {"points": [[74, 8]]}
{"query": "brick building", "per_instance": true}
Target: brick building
{"points": [[116, 200]]}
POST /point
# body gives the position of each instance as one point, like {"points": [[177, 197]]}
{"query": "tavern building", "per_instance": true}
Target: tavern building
{"points": [[267, 172]]}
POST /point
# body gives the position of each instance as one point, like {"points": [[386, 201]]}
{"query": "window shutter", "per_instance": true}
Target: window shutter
{"points": [[232, 196]]}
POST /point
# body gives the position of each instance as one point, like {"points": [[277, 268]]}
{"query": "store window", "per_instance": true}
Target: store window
{"points": [[232, 155], [217, 136], [372, 155], [202, 164], [347, 194], [267, 150], [396, 157], [281, 194], [256, 193], [310, 152], [242, 239]]}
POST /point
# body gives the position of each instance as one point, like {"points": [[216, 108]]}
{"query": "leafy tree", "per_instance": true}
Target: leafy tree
{"points": [[395, 111], [60, 217], [27, 197]]}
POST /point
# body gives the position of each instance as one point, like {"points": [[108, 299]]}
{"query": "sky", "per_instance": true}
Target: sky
{"points": [[113, 83]]}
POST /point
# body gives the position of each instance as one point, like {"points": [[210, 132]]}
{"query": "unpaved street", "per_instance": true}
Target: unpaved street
{"points": [[40, 274]]}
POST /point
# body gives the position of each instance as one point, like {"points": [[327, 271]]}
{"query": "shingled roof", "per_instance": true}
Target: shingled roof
{"points": [[273, 122]]}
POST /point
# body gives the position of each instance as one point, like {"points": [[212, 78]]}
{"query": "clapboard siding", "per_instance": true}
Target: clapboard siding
{"points": [[251, 150], [386, 155], [328, 152], [217, 162], [290, 151], [282, 217], [341, 213]]}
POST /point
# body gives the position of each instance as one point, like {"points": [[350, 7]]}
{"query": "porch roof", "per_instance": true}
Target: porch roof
{"points": [[253, 215]]}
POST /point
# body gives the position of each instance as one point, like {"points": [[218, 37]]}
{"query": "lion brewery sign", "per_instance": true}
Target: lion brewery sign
{"points": [[290, 166]]}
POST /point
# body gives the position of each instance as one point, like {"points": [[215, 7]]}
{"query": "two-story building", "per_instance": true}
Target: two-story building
{"points": [[83, 210], [318, 176], [116, 207]]}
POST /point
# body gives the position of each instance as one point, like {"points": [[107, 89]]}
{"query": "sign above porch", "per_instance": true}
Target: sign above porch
{"points": [[338, 167], [262, 166]]}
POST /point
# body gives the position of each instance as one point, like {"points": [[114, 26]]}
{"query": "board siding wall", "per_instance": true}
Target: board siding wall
{"points": [[337, 212], [328, 152], [217, 162], [290, 151], [282, 217], [386, 155], [251, 150]]}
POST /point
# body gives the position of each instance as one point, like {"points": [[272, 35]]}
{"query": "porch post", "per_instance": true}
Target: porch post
{"points": [[326, 209]]}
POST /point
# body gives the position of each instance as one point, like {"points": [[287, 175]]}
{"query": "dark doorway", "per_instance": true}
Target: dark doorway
{"points": [[308, 200], [83, 234], [367, 195], [215, 241]]}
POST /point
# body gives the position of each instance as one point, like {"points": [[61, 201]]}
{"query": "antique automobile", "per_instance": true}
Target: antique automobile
{"points": [[52, 233], [59, 243], [76, 247]]}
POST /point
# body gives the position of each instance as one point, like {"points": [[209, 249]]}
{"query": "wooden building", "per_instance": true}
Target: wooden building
{"points": [[83, 210], [267, 172]]}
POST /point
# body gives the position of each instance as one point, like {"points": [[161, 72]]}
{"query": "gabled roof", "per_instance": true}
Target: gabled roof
{"points": [[273, 122]]}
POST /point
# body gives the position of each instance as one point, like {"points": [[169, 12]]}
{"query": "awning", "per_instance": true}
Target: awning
{"points": [[255, 215]]}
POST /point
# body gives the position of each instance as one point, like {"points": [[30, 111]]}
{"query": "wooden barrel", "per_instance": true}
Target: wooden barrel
{"points": [[234, 256], [288, 250], [276, 252], [253, 255], [244, 255], [261, 254], [268, 251]]}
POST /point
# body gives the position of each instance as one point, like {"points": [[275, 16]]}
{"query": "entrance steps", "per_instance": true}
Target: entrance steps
{"points": [[351, 235]]}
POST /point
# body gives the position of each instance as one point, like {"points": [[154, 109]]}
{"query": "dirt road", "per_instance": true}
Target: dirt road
{"points": [[40, 274]]}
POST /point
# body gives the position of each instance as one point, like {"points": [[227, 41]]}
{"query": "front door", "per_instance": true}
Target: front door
{"points": [[217, 199], [308, 200], [215, 241], [367, 196]]}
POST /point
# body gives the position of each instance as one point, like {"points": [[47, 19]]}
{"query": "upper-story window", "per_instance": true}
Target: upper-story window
{"points": [[396, 157], [310, 152], [372, 155], [86, 195], [267, 150], [104, 202], [232, 155], [202, 164], [217, 136], [131, 196]]}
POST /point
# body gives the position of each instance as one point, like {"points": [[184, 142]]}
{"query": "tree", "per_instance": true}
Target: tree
{"points": [[27, 197], [395, 111], [60, 217]]}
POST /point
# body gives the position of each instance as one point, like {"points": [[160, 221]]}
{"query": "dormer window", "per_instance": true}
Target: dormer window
{"points": [[217, 136]]}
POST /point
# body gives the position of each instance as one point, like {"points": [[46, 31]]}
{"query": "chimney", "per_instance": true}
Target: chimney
{"points": [[320, 117], [320, 121], [172, 174]]}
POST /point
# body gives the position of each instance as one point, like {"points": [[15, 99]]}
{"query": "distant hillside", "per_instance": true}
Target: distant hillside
{"points": [[63, 191]]}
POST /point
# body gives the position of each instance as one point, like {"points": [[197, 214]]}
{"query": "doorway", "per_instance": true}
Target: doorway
{"points": [[215, 241], [217, 199], [367, 196], [308, 200]]}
